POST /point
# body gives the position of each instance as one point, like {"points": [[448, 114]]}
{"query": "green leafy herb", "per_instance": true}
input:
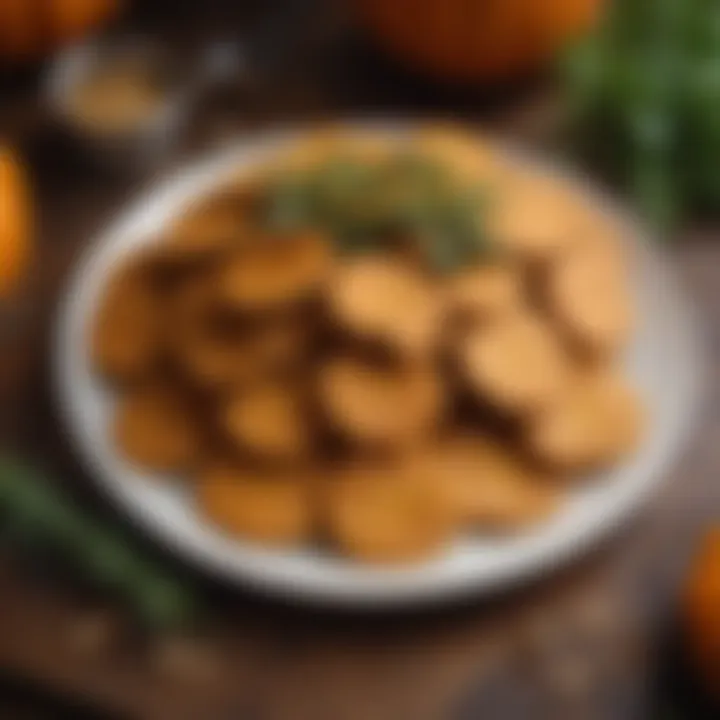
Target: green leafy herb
{"points": [[362, 205], [643, 94], [33, 508]]}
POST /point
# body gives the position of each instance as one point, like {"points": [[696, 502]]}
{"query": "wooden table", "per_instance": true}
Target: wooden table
{"points": [[577, 644]]}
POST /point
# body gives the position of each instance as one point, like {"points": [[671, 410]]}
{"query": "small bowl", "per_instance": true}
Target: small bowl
{"points": [[139, 144]]}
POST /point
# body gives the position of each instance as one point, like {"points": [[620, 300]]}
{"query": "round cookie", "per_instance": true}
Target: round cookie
{"points": [[532, 217], [269, 421], [155, 428], [589, 296], [377, 406], [385, 299], [516, 363], [598, 420], [207, 229], [273, 510], [490, 486], [484, 292], [274, 272], [217, 349], [205, 346], [389, 514], [126, 340]]}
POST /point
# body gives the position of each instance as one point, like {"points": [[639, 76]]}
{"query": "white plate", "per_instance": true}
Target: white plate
{"points": [[664, 362]]}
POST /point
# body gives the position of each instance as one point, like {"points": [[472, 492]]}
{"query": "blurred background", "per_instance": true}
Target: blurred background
{"points": [[97, 97]]}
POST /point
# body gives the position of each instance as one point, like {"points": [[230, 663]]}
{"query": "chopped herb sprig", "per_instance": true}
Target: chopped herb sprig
{"points": [[362, 205], [33, 508], [643, 94]]}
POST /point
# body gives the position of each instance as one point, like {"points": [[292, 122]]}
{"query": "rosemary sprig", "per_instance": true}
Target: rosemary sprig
{"points": [[362, 205], [36, 509]]}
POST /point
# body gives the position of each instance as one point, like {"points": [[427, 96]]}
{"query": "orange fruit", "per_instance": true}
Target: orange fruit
{"points": [[15, 221], [702, 610]]}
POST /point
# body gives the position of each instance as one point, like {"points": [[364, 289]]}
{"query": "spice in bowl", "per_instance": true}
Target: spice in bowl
{"points": [[121, 101], [118, 97]]}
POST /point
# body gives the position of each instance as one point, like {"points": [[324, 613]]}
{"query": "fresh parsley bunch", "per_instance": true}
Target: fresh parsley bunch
{"points": [[643, 94]]}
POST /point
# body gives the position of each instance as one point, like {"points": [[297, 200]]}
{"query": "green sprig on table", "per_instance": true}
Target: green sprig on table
{"points": [[35, 512], [362, 204], [643, 93]]}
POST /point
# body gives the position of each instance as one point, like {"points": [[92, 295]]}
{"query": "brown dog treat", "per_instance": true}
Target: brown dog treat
{"points": [[387, 515], [489, 486], [379, 406], [275, 272], [211, 345], [385, 299], [126, 338], [205, 348], [216, 362], [598, 420], [224, 361], [533, 218], [283, 344], [484, 292], [516, 363], [273, 510], [206, 229], [270, 421], [156, 429], [218, 349], [588, 294]]}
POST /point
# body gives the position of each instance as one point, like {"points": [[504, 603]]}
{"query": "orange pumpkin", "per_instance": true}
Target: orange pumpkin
{"points": [[475, 40], [702, 611], [30, 29], [15, 221]]}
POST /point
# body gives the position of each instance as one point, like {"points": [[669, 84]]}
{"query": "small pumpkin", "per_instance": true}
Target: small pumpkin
{"points": [[475, 40], [15, 221], [30, 29], [702, 611]]}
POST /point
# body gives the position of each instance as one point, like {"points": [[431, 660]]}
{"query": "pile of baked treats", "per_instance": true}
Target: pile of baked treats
{"points": [[375, 344]]}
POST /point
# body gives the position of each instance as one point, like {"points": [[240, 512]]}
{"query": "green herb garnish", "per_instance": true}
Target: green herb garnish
{"points": [[363, 205], [643, 93]]}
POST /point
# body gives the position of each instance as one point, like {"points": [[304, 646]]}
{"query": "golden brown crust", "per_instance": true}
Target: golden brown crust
{"points": [[488, 484], [219, 350], [484, 292], [532, 217], [386, 514], [589, 296], [277, 271], [385, 299], [208, 352], [215, 363], [597, 421], [403, 360], [516, 363], [269, 421], [126, 335], [208, 228], [156, 429], [377, 406], [273, 510]]}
